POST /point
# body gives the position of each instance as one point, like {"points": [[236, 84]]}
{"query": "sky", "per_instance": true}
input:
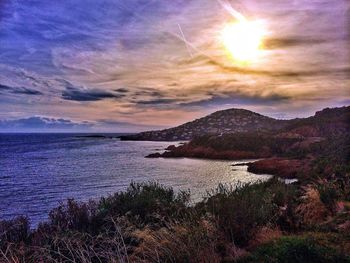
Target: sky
{"points": [[126, 66]]}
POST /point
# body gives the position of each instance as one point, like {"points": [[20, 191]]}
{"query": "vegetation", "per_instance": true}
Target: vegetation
{"points": [[265, 222], [251, 142], [296, 249], [233, 146]]}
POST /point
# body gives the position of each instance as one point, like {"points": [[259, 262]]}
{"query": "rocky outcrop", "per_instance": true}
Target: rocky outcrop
{"points": [[207, 153], [284, 168]]}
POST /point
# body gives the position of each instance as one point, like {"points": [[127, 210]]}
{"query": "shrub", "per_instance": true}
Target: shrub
{"points": [[14, 231], [146, 203], [73, 215], [241, 210], [329, 194], [151, 223], [311, 210], [294, 249]]}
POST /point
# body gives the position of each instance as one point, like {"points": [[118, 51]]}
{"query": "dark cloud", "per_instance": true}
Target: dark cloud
{"points": [[27, 91], [121, 124], [276, 73], [148, 92], [19, 90], [42, 123], [273, 43], [156, 101], [236, 99], [121, 90], [82, 94], [151, 97]]}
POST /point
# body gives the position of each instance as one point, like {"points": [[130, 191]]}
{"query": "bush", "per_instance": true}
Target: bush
{"points": [[145, 203], [241, 210], [151, 223], [294, 249], [73, 215], [329, 194], [14, 231]]}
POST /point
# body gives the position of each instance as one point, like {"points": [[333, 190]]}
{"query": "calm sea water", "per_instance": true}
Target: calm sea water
{"points": [[37, 171]]}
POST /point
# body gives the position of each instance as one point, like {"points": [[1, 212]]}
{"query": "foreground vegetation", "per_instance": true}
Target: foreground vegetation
{"points": [[266, 222]]}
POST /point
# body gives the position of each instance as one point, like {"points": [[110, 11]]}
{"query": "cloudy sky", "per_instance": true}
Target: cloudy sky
{"points": [[116, 65]]}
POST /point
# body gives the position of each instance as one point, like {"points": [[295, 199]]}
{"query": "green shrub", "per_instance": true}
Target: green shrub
{"points": [[294, 249], [146, 202], [73, 215], [329, 194], [240, 210]]}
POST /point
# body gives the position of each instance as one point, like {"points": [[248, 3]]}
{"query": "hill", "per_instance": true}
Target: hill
{"points": [[325, 122], [298, 149], [220, 122]]}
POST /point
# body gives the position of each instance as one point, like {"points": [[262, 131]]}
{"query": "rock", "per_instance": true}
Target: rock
{"points": [[154, 155], [171, 148], [284, 168]]}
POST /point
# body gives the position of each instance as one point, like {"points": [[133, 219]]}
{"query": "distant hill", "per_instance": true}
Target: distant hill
{"points": [[220, 122], [231, 121]]}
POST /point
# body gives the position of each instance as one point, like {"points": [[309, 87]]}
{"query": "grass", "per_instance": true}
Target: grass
{"points": [[151, 223]]}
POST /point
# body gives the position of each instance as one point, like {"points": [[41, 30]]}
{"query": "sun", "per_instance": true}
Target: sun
{"points": [[243, 40]]}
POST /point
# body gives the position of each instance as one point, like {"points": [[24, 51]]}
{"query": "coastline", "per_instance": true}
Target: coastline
{"points": [[263, 163]]}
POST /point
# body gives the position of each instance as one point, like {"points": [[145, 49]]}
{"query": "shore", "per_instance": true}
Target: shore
{"points": [[277, 166]]}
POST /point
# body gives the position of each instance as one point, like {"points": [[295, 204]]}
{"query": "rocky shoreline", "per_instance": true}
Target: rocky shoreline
{"points": [[283, 168], [188, 151], [277, 166]]}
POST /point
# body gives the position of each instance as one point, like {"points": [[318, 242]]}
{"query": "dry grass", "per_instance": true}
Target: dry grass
{"points": [[311, 210], [177, 243]]}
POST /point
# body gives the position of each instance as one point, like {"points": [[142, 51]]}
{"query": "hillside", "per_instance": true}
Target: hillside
{"points": [[327, 122], [220, 122], [232, 121], [298, 149]]}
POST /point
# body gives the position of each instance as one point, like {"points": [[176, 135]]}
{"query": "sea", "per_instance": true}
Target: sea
{"points": [[40, 171]]}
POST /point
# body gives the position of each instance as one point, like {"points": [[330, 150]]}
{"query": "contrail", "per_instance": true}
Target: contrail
{"points": [[184, 39], [228, 7], [189, 44]]}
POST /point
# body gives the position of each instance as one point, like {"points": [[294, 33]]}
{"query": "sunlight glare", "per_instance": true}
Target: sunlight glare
{"points": [[243, 39]]}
